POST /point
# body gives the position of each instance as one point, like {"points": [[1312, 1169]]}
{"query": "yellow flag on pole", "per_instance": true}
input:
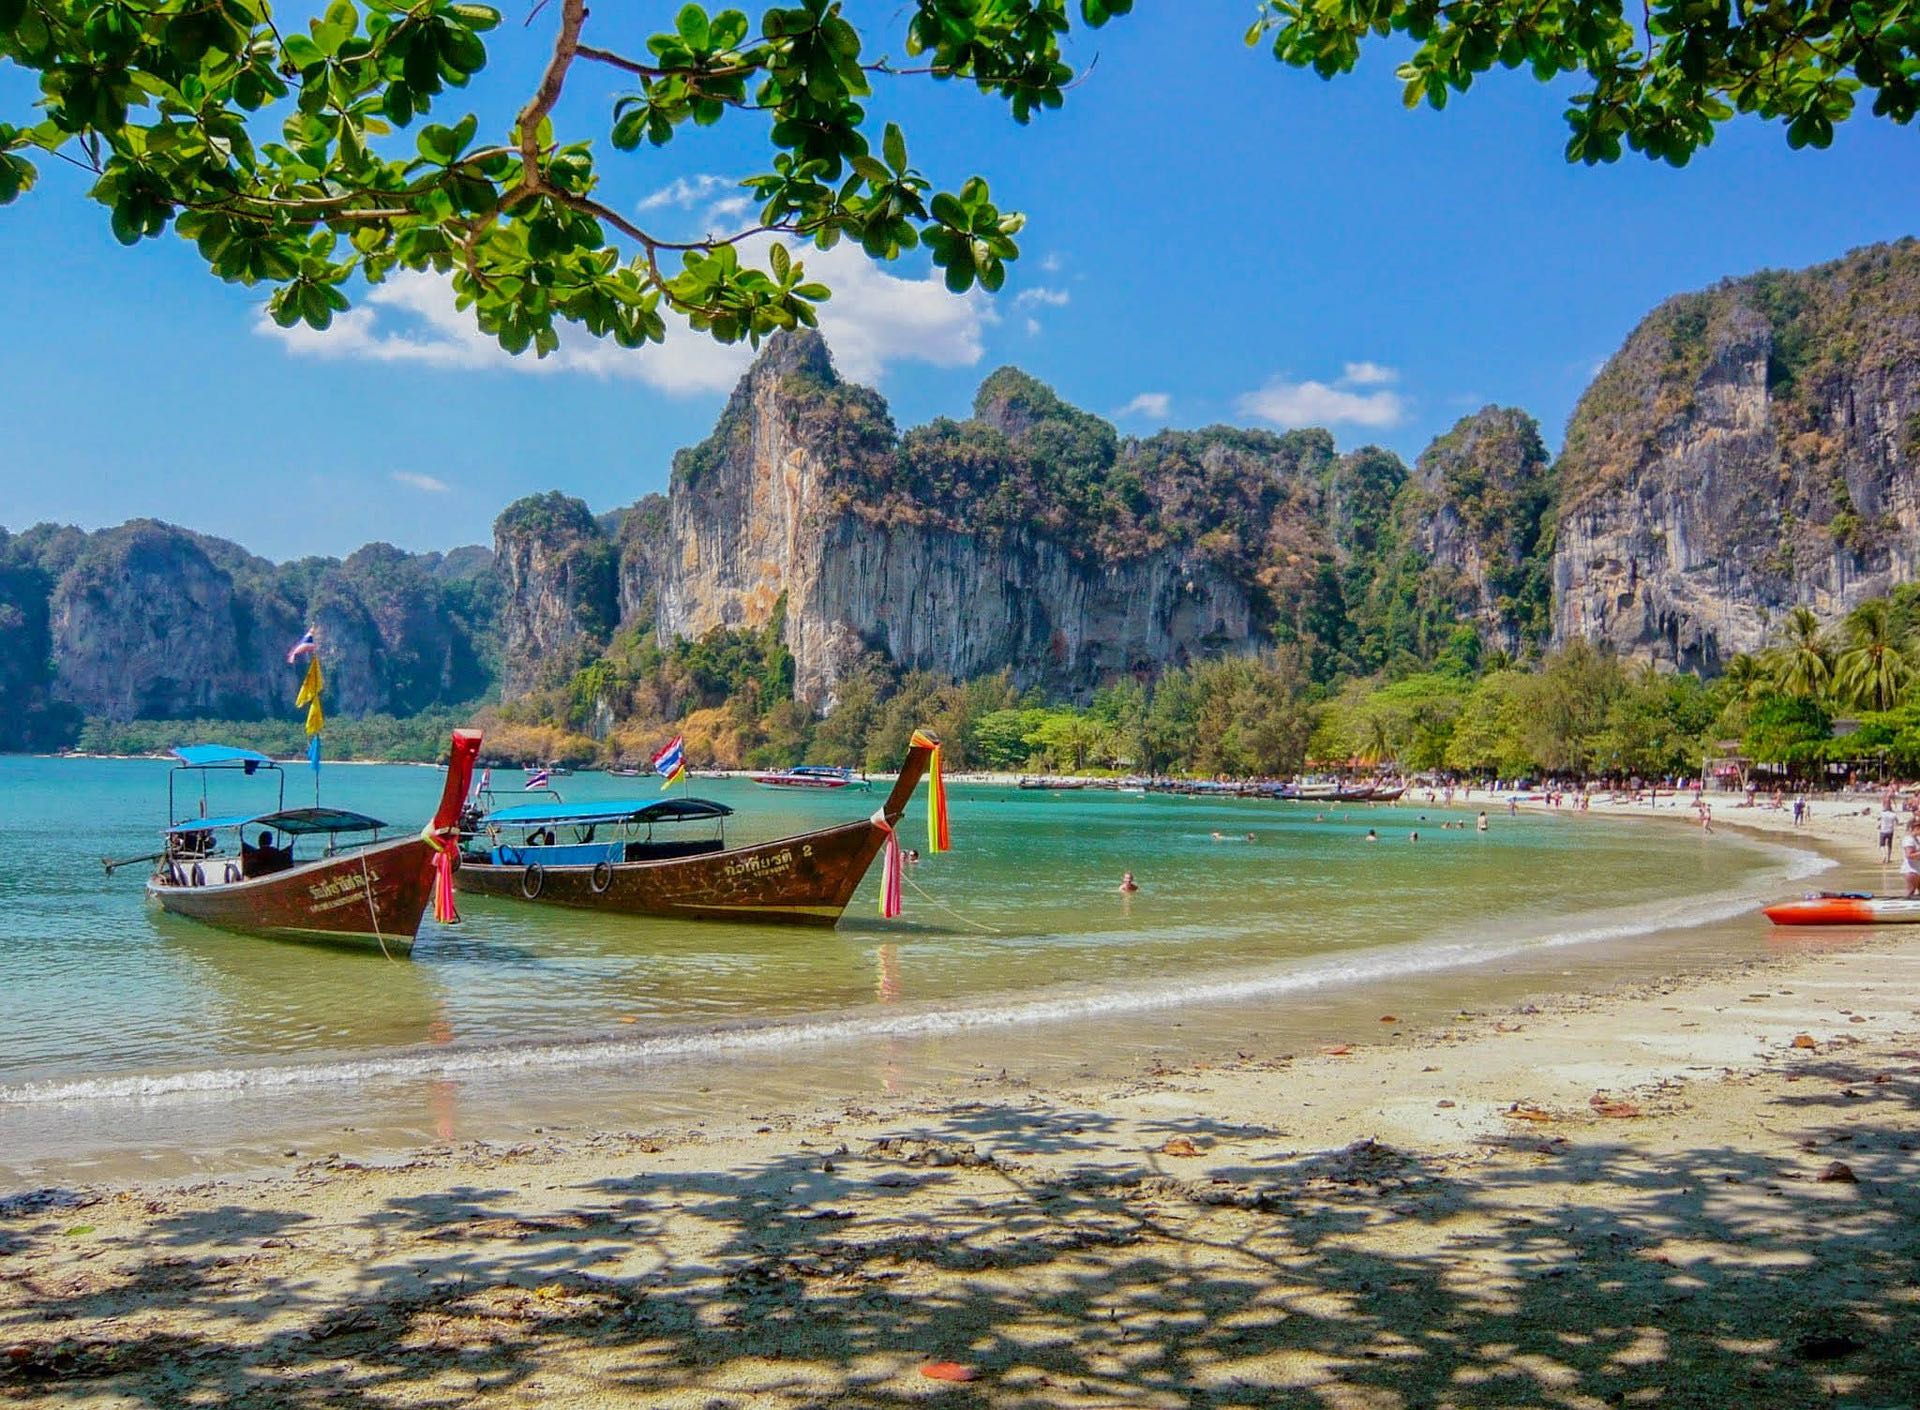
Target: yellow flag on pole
{"points": [[309, 696]]}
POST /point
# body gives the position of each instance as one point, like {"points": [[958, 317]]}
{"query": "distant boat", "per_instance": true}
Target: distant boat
{"points": [[375, 890], [625, 771], [810, 776], [1053, 785]]}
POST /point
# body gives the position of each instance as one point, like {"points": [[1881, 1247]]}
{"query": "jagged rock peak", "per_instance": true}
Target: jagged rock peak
{"points": [[1500, 443], [795, 350], [553, 518], [1013, 402]]}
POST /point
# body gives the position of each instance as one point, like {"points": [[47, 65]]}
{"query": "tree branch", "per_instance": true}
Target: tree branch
{"points": [[566, 43]]}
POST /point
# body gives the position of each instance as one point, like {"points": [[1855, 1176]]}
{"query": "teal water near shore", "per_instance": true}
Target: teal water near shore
{"points": [[116, 1017]]}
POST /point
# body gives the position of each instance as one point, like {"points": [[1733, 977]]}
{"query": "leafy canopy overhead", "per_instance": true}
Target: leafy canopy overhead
{"points": [[302, 157], [1662, 78], [305, 157]]}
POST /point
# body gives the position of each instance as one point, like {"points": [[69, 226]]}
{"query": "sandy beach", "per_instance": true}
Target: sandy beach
{"points": [[1685, 1192]]}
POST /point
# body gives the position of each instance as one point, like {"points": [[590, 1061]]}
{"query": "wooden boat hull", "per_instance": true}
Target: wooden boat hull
{"points": [[375, 894], [806, 879], [1846, 910]]}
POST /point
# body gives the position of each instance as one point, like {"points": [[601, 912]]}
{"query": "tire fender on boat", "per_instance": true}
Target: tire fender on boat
{"points": [[601, 877], [533, 880], [199, 876], [232, 874]]}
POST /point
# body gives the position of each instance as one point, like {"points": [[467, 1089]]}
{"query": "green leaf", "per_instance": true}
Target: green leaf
{"points": [[781, 261], [691, 24], [893, 146], [17, 174], [479, 18]]}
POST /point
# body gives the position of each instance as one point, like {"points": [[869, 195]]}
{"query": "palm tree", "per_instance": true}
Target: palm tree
{"points": [[1874, 671], [1804, 666], [1748, 675], [1378, 747]]}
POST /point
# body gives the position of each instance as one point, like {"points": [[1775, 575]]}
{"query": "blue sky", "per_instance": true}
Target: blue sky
{"points": [[1211, 238]]}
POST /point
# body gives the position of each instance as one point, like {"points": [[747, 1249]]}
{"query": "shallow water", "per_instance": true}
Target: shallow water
{"points": [[131, 1039]]}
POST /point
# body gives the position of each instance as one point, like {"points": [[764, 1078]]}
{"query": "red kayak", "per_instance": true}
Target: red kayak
{"points": [[1846, 908]]}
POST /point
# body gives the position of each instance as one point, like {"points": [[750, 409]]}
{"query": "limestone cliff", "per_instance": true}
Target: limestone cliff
{"points": [[1476, 511], [558, 589], [143, 626], [152, 621], [1750, 448], [1028, 539]]}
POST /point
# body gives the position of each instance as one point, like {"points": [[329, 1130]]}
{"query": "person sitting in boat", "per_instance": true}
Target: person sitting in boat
{"points": [[263, 858]]}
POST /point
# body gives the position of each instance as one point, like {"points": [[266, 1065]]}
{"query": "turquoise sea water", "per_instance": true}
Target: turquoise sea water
{"points": [[124, 1027]]}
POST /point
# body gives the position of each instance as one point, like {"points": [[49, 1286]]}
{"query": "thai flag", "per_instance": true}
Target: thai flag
{"points": [[537, 779], [303, 646], [485, 784], [671, 761]]}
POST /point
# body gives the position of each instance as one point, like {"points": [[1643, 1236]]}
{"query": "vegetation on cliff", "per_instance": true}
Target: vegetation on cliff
{"points": [[1818, 329]]}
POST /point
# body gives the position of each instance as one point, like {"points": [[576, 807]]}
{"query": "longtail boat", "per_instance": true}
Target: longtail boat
{"points": [[374, 890], [613, 856]]}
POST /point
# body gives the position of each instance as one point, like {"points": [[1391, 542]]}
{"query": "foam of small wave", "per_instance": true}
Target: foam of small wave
{"points": [[1430, 956]]}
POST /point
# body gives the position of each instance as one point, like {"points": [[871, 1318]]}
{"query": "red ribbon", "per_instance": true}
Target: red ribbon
{"points": [[443, 907]]}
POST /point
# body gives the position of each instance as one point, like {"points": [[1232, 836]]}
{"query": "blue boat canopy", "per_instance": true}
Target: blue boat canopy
{"points": [[614, 811], [295, 822], [208, 756], [212, 824]]}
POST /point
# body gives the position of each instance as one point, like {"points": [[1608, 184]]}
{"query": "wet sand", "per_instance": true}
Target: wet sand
{"points": [[1682, 1193]]}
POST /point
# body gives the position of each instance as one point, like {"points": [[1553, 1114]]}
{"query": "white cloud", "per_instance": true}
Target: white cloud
{"points": [[874, 320], [1052, 298], [428, 483], [1033, 327], [688, 192], [1052, 263], [1154, 405], [1310, 403]]}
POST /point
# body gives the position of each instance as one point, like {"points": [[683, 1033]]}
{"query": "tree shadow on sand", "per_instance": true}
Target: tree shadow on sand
{"points": [[1557, 1266]]}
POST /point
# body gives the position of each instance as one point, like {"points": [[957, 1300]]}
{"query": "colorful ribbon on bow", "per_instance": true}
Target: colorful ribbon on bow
{"points": [[443, 854], [892, 876], [937, 838]]}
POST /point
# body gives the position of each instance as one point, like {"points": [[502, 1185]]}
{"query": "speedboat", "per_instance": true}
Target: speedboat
{"points": [[810, 776]]}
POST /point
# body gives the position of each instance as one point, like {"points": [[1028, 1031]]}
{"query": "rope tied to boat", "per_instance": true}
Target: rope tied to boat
{"points": [[444, 910], [373, 909]]}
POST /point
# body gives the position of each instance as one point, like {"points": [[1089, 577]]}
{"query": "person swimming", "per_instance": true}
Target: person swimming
{"points": [[1372, 836], [1127, 883]]}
